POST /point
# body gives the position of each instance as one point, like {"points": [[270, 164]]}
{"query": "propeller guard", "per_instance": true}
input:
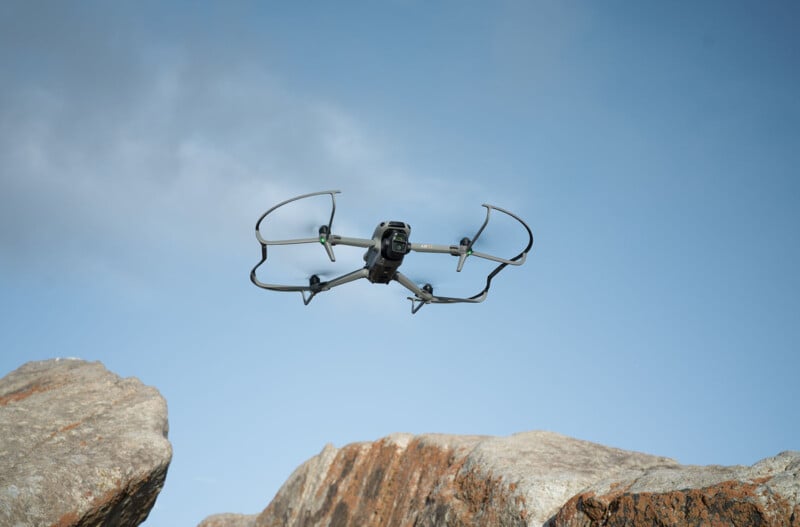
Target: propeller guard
{"points": [[377, 266]]}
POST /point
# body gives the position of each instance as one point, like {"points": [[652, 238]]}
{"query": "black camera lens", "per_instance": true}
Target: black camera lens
{"points": [[399, 243]]}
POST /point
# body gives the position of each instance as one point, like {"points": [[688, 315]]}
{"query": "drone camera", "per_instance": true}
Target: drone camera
{"points": [[395, 245], [399, 243]]}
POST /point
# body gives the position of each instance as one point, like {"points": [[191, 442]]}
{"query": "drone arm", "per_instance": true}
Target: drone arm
{"points": [[485, 256], [422, 297], [311, 289], [464, 249], [349, 277], [433, 248], [327, 286], [352, 242], [462, 252]]}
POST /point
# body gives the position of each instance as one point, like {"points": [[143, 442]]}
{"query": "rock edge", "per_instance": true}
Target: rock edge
{"points": [[79, 446]]}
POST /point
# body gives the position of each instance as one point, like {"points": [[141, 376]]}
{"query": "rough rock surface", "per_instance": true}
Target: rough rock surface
{"points": [[79, 446], [528, 479], [229, 520], [433, 480], [766, 494]]}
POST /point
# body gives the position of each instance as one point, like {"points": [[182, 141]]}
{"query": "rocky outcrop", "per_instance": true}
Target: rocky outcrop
{"points": [[229, 520], [528, 479], [766, 494], [79, 446]]}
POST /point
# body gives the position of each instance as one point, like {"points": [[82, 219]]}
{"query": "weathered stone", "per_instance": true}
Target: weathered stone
{"points": [[229, 520], [765, 494], [79, 446], [528, 479], [435, 480]]}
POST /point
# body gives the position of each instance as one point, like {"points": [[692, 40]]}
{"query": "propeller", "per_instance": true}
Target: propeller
{"points": [[320, 272], [311, 227], [426, 283], [489, 241]]}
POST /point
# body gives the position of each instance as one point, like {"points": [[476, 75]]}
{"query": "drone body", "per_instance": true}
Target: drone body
{"points": [[384, 255], [383, 261]]}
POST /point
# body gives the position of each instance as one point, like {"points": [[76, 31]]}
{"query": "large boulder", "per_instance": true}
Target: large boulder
{"points": [[433, 480], [528, 479], [79, 446], [766, 494]]}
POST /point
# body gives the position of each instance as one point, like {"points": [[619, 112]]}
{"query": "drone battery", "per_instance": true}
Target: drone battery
{"points": [[382, 274]]}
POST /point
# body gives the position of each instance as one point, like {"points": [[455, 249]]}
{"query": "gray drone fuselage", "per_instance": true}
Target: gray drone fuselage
{"points": [[385, 256]]}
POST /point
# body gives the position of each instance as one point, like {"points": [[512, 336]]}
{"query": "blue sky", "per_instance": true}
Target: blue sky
{"points": [[653, 148]]}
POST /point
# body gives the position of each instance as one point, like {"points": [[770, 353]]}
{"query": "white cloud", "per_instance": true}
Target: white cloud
{"points": [[170, 157], [185, 159]]}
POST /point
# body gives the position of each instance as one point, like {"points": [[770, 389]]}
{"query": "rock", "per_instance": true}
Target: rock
{"points": [[229, 520], [433, 480], [528, 479], [79, 446], [766, 494]]}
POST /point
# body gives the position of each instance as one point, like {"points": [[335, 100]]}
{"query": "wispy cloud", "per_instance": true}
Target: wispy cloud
{"points": [[117, 159], [185, 159]]}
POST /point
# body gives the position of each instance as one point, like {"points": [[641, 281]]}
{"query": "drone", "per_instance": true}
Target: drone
{"points": [[384, 255]]}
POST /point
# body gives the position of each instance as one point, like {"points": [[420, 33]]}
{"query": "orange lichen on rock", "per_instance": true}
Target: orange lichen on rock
{"points": [[24, 393], [399, 481], [531, 479], [67, 520], [52, 470], [721, 505], [380, 483]]}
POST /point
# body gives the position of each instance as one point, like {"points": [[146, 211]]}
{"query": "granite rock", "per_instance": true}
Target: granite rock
{"points": [[434, 480], [766, 494], [79, 446], [528, 479], [229, 520]]}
